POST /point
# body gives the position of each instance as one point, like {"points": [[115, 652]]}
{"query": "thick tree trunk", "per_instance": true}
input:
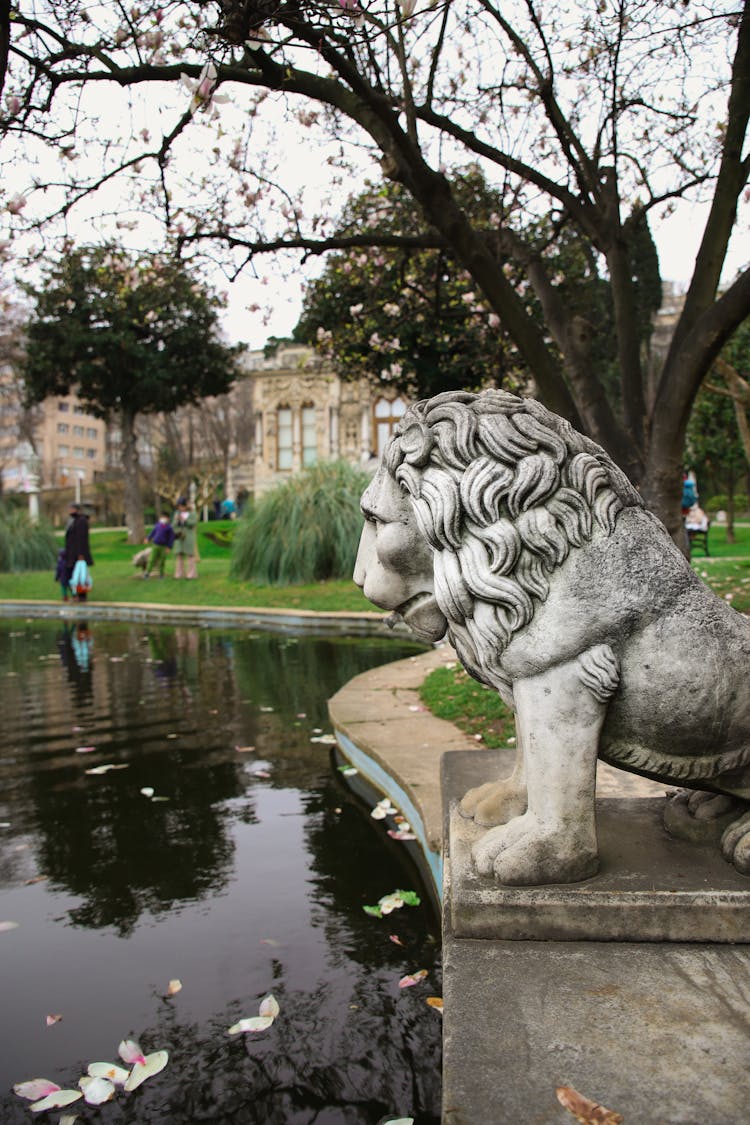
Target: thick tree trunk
{"points": [[133, 501]]}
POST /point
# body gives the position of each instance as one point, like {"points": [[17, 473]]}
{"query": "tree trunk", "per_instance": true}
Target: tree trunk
{"points": [[132, 493]]}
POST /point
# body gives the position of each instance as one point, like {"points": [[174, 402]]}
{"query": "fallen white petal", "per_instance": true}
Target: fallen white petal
{"points": [[252, 1023], [56, 1101], [5, 926], [111, 1071], [269, 1006], [130, 1052], [153, 1064], [35, 1088], [96, 1091], [147, 791]]}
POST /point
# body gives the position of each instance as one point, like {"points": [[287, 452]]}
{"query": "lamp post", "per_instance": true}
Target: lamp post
{"points": [[31, 467]]}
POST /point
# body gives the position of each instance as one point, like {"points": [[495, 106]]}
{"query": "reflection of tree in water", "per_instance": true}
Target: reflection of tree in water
{"points": [[99, 837], [348, 1055], [293, 676]]}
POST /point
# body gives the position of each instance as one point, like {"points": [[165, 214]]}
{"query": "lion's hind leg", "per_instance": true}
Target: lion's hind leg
{"points": [[735, 844]]}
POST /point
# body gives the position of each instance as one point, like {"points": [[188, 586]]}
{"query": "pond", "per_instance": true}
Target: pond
{"points": [[226, 852]]}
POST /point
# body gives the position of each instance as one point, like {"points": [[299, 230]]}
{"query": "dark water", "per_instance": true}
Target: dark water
{"points": [[238, 885]]}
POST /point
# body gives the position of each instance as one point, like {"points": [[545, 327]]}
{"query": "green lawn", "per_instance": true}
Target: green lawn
{"points": [[117, 580], [726, 571]]}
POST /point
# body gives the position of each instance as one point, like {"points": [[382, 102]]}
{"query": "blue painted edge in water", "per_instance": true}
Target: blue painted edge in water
{"points": [[383, 781]]}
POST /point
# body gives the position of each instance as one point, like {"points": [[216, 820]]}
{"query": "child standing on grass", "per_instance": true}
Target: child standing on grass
{"points": [[61, 574], [161, 538]]}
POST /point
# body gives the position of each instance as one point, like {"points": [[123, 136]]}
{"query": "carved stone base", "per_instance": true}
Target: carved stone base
{"points": [[650, 886]]}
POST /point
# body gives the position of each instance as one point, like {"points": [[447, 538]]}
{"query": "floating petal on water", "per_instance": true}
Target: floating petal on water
{"points": [[151, 1065], [130, 1052], [111, 1071], [269, 1006], [35, 1088], [5, 926], [96, 1091], [435, 1002], [53, 1019], [412, 978], [56, 1101], [252, 1023], [147, 791], [85, 749]]}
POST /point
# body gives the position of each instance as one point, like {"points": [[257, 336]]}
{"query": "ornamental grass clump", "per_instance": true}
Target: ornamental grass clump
{"points": [[25, 545], [305, 530]]}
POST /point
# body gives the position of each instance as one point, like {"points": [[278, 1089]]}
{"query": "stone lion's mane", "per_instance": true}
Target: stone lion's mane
{"points": [[502, 491]]}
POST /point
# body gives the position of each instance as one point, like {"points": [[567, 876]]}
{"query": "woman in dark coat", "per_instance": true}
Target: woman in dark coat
{"points": [[77, 539]]}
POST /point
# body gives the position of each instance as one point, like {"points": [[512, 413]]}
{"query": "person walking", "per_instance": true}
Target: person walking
{"points": [[185, 521], [77, 543], [161, 538]]}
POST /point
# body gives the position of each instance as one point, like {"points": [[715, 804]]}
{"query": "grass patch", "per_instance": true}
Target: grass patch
{"points": [[451, 694], [729, 579], [720, 548]]}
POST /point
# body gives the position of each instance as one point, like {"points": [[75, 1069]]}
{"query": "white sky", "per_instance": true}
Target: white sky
{"points": [[280, 294]]}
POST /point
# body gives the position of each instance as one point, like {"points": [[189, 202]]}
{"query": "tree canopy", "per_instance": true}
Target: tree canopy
{"points": [[600, 115], [412, 317], [131, 335]]}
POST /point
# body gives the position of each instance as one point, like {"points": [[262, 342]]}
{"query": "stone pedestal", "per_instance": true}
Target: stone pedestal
{"points": [[632, 987]]}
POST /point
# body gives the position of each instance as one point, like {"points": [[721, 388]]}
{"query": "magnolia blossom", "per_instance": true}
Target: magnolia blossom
{"points": [[390, 309], [16, 203], [202, 88], [13, 103], [355, 310], [493, 320], [407, 8], [469, 298]]}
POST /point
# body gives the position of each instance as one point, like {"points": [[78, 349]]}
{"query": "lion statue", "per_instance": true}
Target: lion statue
{"points": [[494, 521]]}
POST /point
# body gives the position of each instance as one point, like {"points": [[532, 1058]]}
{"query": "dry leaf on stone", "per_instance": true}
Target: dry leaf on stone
{"points": [[584, 1110]]}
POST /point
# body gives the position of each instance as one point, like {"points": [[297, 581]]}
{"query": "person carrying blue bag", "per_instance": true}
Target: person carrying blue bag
{"points": [[77, 551]]}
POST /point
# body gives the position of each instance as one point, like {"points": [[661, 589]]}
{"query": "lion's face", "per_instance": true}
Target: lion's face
{"points": [[394, 564]]}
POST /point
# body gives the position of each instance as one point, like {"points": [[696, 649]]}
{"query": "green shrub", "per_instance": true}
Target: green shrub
{"points": [[305, 530], [720, 503], [25, 545]]}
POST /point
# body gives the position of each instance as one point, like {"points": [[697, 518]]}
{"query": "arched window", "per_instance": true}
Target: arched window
{"points": [[387, 414], [284, 438]]}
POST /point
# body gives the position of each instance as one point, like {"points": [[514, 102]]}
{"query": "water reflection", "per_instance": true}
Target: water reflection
{"points": [[227, 852]]}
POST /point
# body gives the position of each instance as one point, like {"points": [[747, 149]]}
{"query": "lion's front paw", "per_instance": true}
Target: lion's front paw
{"points": [[524, 854], [495, 802], [735, 844]]}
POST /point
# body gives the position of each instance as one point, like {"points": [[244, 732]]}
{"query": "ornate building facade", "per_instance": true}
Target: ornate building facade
{"points": [[304, 413]]}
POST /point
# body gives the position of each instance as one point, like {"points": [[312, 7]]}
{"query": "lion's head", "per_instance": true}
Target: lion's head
{"points": [[478, 499]]}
